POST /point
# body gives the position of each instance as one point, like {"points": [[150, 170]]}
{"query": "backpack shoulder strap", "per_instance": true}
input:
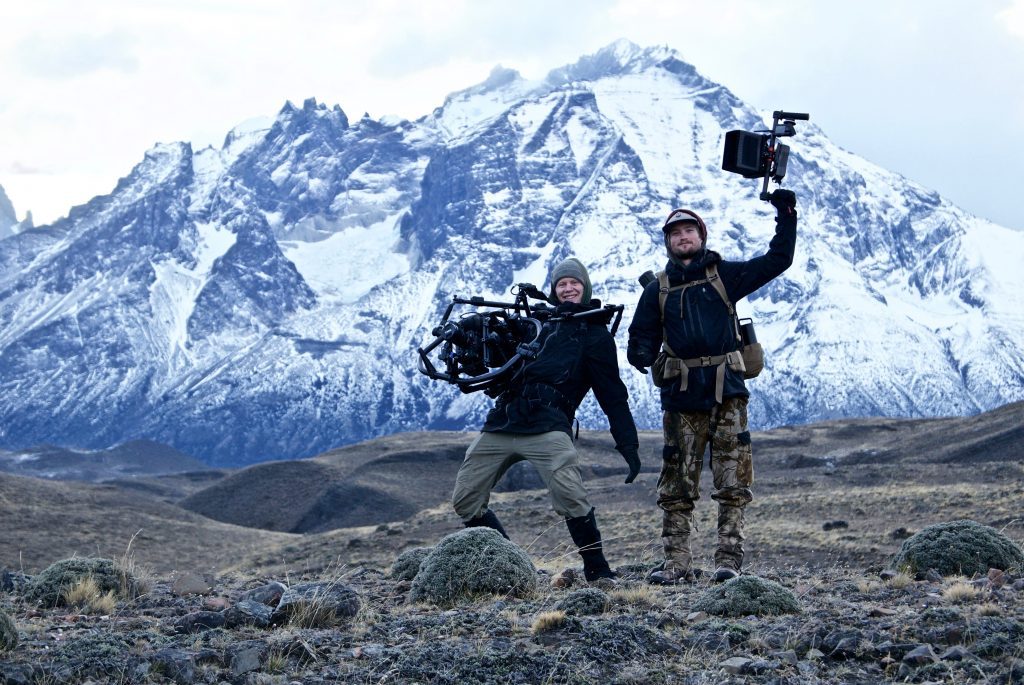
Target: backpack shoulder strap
{"points": [[662, 292], [716, 282]]}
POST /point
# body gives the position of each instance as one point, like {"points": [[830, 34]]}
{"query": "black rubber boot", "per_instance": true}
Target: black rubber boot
{"points": [[487, 520], [587, 537]]}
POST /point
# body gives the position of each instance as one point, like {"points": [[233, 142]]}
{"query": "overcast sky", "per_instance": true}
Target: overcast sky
{"points": [[929, 88]]}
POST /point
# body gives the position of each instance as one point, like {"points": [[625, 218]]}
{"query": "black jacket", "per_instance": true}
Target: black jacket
{"points": [[575, 356], [697, 321]]}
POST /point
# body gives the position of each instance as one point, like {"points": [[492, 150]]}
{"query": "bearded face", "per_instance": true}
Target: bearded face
{"points": [[684, 240]]}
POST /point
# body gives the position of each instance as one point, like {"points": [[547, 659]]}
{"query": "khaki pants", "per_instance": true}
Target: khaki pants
{"points": [[491, 455]]}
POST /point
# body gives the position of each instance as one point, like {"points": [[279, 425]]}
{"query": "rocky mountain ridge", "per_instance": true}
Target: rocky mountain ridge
{"points": [[265, 300]]}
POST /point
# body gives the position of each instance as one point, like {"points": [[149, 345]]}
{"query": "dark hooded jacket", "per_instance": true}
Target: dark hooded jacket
{"points": [[575, 356], [697, 321]]}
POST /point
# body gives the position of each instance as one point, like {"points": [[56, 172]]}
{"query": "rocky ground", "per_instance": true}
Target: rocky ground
{"points": [[833, 503], [854, 627]]}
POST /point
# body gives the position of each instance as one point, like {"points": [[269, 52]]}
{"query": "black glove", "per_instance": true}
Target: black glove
{"points": [[638, 356], [632, 457], [784, 201]]}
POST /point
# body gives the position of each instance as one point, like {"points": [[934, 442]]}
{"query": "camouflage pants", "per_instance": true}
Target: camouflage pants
{"points": [[687, 435]]}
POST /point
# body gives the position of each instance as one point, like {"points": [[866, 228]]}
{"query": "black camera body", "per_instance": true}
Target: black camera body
{"points": [[757, 154], [482, 349]]}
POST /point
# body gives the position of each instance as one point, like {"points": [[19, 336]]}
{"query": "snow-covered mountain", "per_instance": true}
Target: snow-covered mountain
{"points": [[265, 300], [9, 224]]}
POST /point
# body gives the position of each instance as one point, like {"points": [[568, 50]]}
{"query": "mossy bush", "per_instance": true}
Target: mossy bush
{"points": [[746, 596], [471, 563], [407, 565], [50, 587], [8, 633], [961, 547], [584, 602]]}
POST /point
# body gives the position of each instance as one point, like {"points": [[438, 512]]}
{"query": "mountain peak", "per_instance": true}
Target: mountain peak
{"points": [[620, 57]]}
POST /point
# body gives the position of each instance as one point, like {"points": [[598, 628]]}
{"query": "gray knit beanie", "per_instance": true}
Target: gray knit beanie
{"points": [[570, 268]]}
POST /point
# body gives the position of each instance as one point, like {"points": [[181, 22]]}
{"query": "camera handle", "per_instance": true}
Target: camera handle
{"points": [[779, 156]]}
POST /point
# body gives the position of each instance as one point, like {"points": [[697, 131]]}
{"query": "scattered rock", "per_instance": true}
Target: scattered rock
{"points": [[199, 621], [317, 605], [920, 655], [747, 595], [996, 577], [216, 603], [955, 653], [190, 583], [735, 665], [407, 565], [961, 547], [473, 562], [565, 578], [269, 594], [881, 612], [13, 581], [248, 613], [176, 664], [245, 657], [20, 674]]}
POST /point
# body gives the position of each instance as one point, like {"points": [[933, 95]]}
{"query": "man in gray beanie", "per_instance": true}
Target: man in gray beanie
{"points": [[532, 419]]}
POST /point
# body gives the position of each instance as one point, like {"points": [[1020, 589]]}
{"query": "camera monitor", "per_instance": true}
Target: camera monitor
{"points": [[746, 154]]}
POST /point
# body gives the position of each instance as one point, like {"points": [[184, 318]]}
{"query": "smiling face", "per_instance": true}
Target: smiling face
{"points": [[568, 289], [684, 240]]}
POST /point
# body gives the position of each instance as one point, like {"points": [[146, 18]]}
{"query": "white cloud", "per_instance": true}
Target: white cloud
{"points": [[71, 55], [1012, 18], [86, 88]]}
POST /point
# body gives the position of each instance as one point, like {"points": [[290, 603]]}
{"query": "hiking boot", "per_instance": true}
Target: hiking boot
{"points": [[724, 573], [487, 520], [671, 576], [587, 538]]}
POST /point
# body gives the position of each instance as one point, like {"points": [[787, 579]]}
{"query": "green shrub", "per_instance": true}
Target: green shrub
{"points": [[961, 547], [8, 633], [746, 596], [407, 565], [49, 587], [470, 563], [584, 602]]}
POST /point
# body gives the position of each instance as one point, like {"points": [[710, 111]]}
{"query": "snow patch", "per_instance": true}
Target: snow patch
{"points": [[347, 265]]}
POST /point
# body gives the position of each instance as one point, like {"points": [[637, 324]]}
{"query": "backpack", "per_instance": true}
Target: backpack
{"points": [[748, 360]]}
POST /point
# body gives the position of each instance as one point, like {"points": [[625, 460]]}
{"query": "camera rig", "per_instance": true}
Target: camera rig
{"points": [[481, 350], [756, 154]]}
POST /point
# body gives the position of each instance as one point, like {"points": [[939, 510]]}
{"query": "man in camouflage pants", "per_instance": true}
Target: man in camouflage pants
{"points": [[703, 395]]}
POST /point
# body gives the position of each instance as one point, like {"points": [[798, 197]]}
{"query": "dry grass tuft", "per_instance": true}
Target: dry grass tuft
{"points": [[548, 620], [900, 581], [989, 609], [866, 586], [643, 596], [85, 595], [959, 592]]}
